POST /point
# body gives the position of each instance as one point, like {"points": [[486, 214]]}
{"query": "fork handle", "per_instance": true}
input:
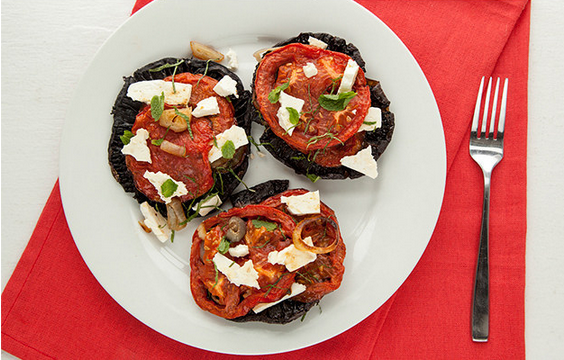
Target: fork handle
{"points": [[481, 298]]}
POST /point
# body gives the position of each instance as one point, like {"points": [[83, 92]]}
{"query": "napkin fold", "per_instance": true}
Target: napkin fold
{"points": [[53, 307]]}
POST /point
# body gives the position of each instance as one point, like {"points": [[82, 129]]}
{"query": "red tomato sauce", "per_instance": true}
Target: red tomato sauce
{"points": [[194, 169]]}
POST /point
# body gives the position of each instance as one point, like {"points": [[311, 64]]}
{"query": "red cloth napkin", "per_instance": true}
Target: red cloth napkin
{"points": [[53, 307]]}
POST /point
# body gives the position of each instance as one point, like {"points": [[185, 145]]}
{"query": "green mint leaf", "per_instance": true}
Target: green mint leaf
{"points": [[294, 115], [168, 188], [223, 245], [126, 137], [274, 95], [228, 149], [157, 106], [336, 102], [157, 142], [269, 226]]}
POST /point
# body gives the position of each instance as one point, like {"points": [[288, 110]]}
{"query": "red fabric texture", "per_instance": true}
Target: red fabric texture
{"points": [[53, 307]]}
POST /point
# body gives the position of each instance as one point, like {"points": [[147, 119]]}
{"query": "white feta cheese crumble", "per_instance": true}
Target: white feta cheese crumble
{"points": [[158, 179], [226, 86], [372, 121], [362, 162], [304, 204], [295, 289], [309, 70], [137, 147], [239, 250], [145, 90], [236, 274], [207, 205], [291, 257], [349, 76], [156, 222], [232, 60], [206, 107], [316, 42], [283, 115], [235, 133]]}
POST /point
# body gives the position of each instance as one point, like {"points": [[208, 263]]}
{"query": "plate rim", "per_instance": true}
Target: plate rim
{"points": [[65, 194]]}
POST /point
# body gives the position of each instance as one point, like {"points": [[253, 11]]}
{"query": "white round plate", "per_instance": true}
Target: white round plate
{"points": [[386, 223]]}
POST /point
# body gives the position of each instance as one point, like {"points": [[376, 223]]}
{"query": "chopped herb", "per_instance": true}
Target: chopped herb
{"points": [[221, 190], [309, 277], [157, 106], [172, 236], [263, 245], [269, 226], [252, 141], [313, 177], [172, 79], [166, 66], [241, 181], [314, 109], [158, 142], [329, 135], [273, 286], [205, 71], [236, 177], [187, 119], [336, 102], [228, 149], [294, 115], [334, 83], [190, 178], [126, 137], [274, 95], [370, 122], [168, 188], [223, 245]]}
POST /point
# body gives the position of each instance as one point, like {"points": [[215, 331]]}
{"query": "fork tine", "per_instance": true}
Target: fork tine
{"points": [[476, 117], [486, 107], [501, 125], [494, 108]]}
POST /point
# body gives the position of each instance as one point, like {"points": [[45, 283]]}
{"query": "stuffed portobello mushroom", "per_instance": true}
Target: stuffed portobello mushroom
{"points": [[179, 140], [322, 116], [267, 261]]}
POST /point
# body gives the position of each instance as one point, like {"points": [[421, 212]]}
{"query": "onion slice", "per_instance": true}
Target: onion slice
{"points": [[299, 241], [176, 218]]}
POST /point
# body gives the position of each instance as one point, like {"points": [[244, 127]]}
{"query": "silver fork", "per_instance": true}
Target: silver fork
{"points": [[487, 150]]}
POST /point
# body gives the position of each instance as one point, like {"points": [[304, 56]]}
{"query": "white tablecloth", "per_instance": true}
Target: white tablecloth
{"points": [[47, 46]]}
